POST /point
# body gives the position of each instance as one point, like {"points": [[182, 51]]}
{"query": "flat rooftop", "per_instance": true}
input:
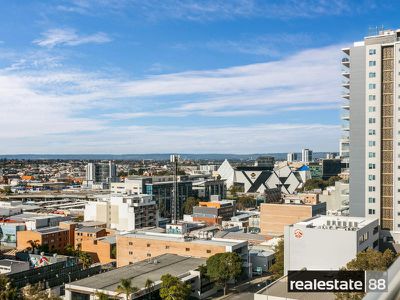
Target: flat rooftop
{"points": [[279, 289], [90, 229], [139, 272], [338, 222], [48, 230], [181, 238]]}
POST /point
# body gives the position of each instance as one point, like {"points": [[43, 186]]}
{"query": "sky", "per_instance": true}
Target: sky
{"points": [[209, 76]]}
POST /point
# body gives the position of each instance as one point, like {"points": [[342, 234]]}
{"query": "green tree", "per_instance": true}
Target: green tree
{"points": [[224, 267], [125, 287], [244, 202], [85, 259], [277, 268], [172, 288], [101, 296], [70, 250], [369, 260], [34, 245], [149, 287], [7, 292], [189, 204]]}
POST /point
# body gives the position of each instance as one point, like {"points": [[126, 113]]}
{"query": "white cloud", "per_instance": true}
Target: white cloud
{"points": [[55, 109], [69, 37]]}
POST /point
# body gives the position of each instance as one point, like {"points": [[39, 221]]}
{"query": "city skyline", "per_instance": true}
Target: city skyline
{"points": [[210, 77]]}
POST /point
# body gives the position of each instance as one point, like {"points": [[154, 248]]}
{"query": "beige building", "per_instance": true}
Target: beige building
{"points": [[134, 247], [275, 216]]}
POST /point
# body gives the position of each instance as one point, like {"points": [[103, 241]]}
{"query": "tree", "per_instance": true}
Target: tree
{"points": [[172, 288], [149, 286], [244, 202], [34, 245], [85, 259], [70, 250], [125, 287], [277, 268], [37, 292], [189, 204], [101, 296], [7, 292], [369, 260], [224, 267]]}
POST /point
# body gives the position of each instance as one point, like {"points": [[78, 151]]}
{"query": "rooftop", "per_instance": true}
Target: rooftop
{"points": [[90, 229], [279, 289], [48, 230], [335, 222], [9, 262], [139, 272]]}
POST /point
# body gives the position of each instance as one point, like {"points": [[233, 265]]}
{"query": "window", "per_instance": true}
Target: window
{"points": [[371, 200], [372, 51], [372, 63], [371, 189], [371, 211], [371, 132], [371, 154], [371, 143], [371, 177], [148, 254], [187, 249], [371, 108], [130, 243], [148, 245], [130, 253], [166, 247], [372, 75], [371, 97], [208, 251], [371, 120], [371, 166], [372, 86]]}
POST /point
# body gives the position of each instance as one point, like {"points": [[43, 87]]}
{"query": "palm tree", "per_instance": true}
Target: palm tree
{"points": [[149, 286], [34, 245], [101, 296], [125, 287], [85, 259]]}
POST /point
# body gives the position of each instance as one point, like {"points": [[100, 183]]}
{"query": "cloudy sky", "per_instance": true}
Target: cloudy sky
{"points": [[209, 76]]}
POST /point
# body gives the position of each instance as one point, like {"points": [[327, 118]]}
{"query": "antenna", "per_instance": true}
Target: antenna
{"points": [[174, 158]]}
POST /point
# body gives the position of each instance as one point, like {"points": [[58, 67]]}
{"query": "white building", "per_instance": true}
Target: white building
{"points": [[306, 155], [8, 266], [328, 242], [104, 172], [371, 71], [123, 212], [291, 157]]}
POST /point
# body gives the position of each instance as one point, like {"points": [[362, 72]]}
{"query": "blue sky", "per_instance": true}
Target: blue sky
{"points": [[237, 76]]}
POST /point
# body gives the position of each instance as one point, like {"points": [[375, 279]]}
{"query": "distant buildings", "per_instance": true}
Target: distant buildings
{"points": [[306, 155], [214, 212], [123, 212], [259, 179], [328, 242], [101, 173], [291, 157]]}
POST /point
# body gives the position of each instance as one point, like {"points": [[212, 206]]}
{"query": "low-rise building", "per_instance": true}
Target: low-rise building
{"points": [[8, 233], [183, 267], [214, 212], [328, 242], [52, 238], [133, 247], [275, 216], [102, 249], [9, 266], [123, 212], [87, 233]]}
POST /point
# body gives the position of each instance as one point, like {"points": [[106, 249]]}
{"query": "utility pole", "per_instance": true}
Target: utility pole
{"points": [[175, 193]]}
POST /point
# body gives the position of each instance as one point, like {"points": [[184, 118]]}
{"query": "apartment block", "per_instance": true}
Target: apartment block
{"points": [[102, 249], [214, 212], [275, 216], [123, 212], [87, 234], [371, 70], [134, 247], [52, 238]]}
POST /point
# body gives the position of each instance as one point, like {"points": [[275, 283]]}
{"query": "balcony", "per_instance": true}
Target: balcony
{"points": [[346, 127], [346, 95], [345, 106], [345, 116], [346, 62], [346, 84], [346, 73], [346, 50]]}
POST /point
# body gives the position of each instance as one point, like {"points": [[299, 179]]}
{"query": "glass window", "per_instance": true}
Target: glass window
{"points": [[371, 177], [371, 132], [371, 200], [372, 75], [371, 166], [372, 63], [371, 154], [371, 143], [371, 120], [371, 211], [372, 86], [372, 51], [371, 108], [371, 189], [371, 97]]}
